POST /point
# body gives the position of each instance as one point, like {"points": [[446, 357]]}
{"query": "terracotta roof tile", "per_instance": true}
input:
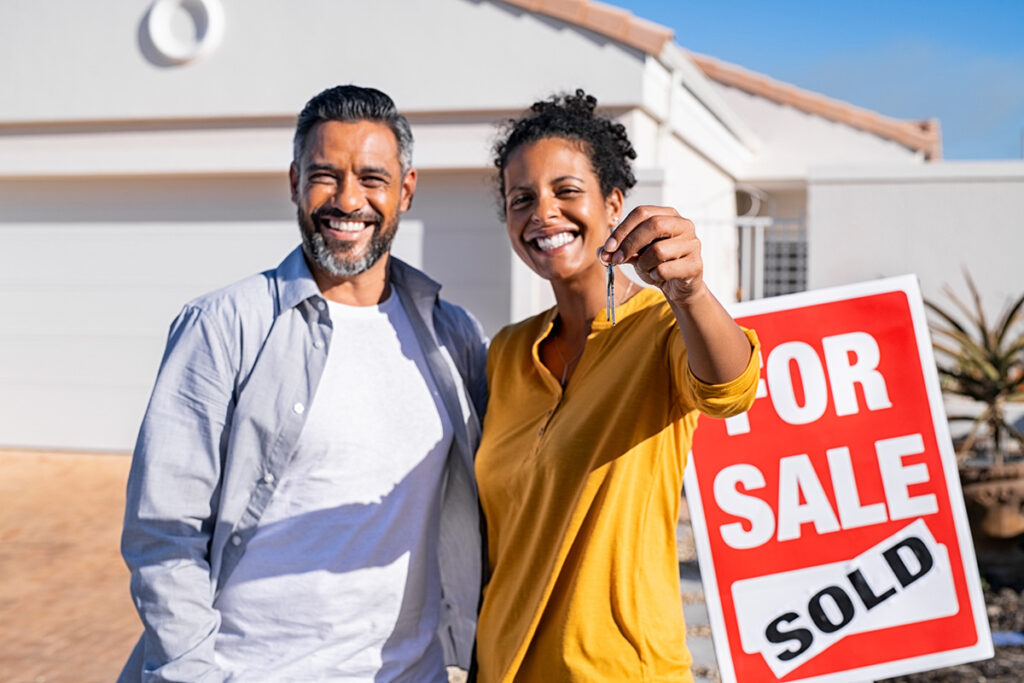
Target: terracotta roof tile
{"points": [[568, 10], [924, 136], [606, 20], [647, 35], [621, 25]]}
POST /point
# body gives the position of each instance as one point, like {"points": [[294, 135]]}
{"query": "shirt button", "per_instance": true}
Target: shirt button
{"points": [[268, 478], [550, 412], [299, 408], [540, 431], [321, 305], [236, 540], [318, 344]]}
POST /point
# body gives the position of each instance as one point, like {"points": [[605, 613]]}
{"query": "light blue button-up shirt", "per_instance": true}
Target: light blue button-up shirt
{"points": [[239, 372]]}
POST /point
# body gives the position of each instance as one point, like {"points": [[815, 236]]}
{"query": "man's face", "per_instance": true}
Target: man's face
{"points": [[350, 191]]}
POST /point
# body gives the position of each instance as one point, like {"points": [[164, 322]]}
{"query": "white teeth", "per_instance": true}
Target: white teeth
{"points": [[346, 226], [554, 241]]}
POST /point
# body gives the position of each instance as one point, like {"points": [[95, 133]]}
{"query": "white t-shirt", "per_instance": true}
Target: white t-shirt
{"points": [[340, 582]]}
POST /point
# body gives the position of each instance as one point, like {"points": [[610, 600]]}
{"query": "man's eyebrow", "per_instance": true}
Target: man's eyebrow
{"points": [[320, 167], [376, 170]]}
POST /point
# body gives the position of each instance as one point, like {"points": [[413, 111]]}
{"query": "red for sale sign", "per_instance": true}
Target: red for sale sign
{"points": [[828, 519]]}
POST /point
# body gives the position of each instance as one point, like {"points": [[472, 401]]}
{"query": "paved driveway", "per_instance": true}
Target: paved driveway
{"points": [[65, 611]]}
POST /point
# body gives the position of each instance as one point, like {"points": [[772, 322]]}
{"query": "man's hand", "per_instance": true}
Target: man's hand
{"points": [[664, 250]]}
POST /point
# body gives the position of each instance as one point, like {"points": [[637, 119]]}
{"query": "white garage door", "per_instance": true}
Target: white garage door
{"points": [[92, 271], [91, 274]]}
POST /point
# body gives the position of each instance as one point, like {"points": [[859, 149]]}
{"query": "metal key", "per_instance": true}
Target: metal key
{"points": [[610, 302]]}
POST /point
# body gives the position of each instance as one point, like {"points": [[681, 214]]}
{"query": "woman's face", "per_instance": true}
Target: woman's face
{"points": [[555, 214]]}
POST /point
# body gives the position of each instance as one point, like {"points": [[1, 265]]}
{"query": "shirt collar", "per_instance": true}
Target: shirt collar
{"points": [[295, 282], [412, 280]]}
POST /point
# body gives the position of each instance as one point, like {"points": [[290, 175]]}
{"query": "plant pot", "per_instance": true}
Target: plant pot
{"points": [[994, 498]]}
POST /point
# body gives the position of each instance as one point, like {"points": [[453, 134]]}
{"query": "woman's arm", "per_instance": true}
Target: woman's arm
{"points": [[663, 248]]}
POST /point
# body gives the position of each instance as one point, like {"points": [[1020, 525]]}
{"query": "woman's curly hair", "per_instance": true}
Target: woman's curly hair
{"points": [[571, 117]]}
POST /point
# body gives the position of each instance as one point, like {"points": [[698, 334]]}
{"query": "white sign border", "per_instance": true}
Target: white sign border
{"points": [[909, 286]]}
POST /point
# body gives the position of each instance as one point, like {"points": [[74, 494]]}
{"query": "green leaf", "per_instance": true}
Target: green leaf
{"points": [[1010, 316], [979, 312], [979, 362]]}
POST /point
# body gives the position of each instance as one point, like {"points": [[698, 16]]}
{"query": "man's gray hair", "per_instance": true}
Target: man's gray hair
{"points": [[353, 103]]}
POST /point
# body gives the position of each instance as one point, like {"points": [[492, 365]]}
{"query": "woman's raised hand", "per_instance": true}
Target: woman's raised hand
{"points": [[663, 248]]}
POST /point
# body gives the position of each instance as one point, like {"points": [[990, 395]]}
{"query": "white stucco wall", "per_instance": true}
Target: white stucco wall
{"points": [[464, 244], [793, 140], [90, 282], [932, 220], [129, 185], [671, 172], [90, 61], [93, 272], [706, 195]]}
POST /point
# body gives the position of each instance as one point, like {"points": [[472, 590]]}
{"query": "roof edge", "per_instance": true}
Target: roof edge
{"points": [[609, 21], [922, 135]]}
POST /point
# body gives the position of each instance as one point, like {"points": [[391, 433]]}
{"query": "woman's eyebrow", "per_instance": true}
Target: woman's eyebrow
{"points": [[553, 180]]}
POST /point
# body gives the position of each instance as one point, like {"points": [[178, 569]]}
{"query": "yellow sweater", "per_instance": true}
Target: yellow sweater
{"points": [[581, 492]]}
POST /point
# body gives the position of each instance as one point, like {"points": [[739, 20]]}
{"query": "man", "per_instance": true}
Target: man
{"points": [[301, 503]]}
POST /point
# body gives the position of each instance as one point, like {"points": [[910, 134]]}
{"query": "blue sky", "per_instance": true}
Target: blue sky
{"points": [[961, 62]]}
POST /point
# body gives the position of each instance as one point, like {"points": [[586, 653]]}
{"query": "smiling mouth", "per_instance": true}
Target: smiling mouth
{"points": [[552, 242], [346, 228], [345, 225]]}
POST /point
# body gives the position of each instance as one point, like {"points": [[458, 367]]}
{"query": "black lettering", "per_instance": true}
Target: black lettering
{"points": [[899, 567], [867, 596], [801, 635], [818, 615]]}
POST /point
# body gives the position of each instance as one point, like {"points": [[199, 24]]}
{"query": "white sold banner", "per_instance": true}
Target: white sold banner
{"points": [[829, 522], [902, 580]]}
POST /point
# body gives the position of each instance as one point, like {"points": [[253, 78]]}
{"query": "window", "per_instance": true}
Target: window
{"points": [[773, 256]]}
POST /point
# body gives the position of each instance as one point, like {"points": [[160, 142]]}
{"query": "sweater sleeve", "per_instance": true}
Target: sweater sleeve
{"points": [[729, 398]]}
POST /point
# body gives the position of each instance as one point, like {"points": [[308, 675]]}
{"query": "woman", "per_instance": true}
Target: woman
{"points": [[588, 425]]}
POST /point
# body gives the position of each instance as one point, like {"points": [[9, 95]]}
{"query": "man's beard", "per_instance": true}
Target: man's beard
{"points": [[332, 255]]}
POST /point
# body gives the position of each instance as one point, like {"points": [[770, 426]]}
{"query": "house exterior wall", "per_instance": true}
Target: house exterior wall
{"points": [[93, 272], [933, 220], [786, 203], [129, 185], [91, 282], [706, 195], [793, 141], [464, 245], [670, 171], [90, 61]]}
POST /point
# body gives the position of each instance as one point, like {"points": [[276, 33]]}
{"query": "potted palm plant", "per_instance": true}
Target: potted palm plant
{"points": [[983, 361]]}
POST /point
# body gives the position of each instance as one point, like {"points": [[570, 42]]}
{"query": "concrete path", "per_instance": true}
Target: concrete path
{"points": [[65, 612], [698, 628]]}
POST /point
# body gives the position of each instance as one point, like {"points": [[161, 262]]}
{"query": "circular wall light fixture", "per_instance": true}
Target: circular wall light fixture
{"points": [[207, 17]]}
